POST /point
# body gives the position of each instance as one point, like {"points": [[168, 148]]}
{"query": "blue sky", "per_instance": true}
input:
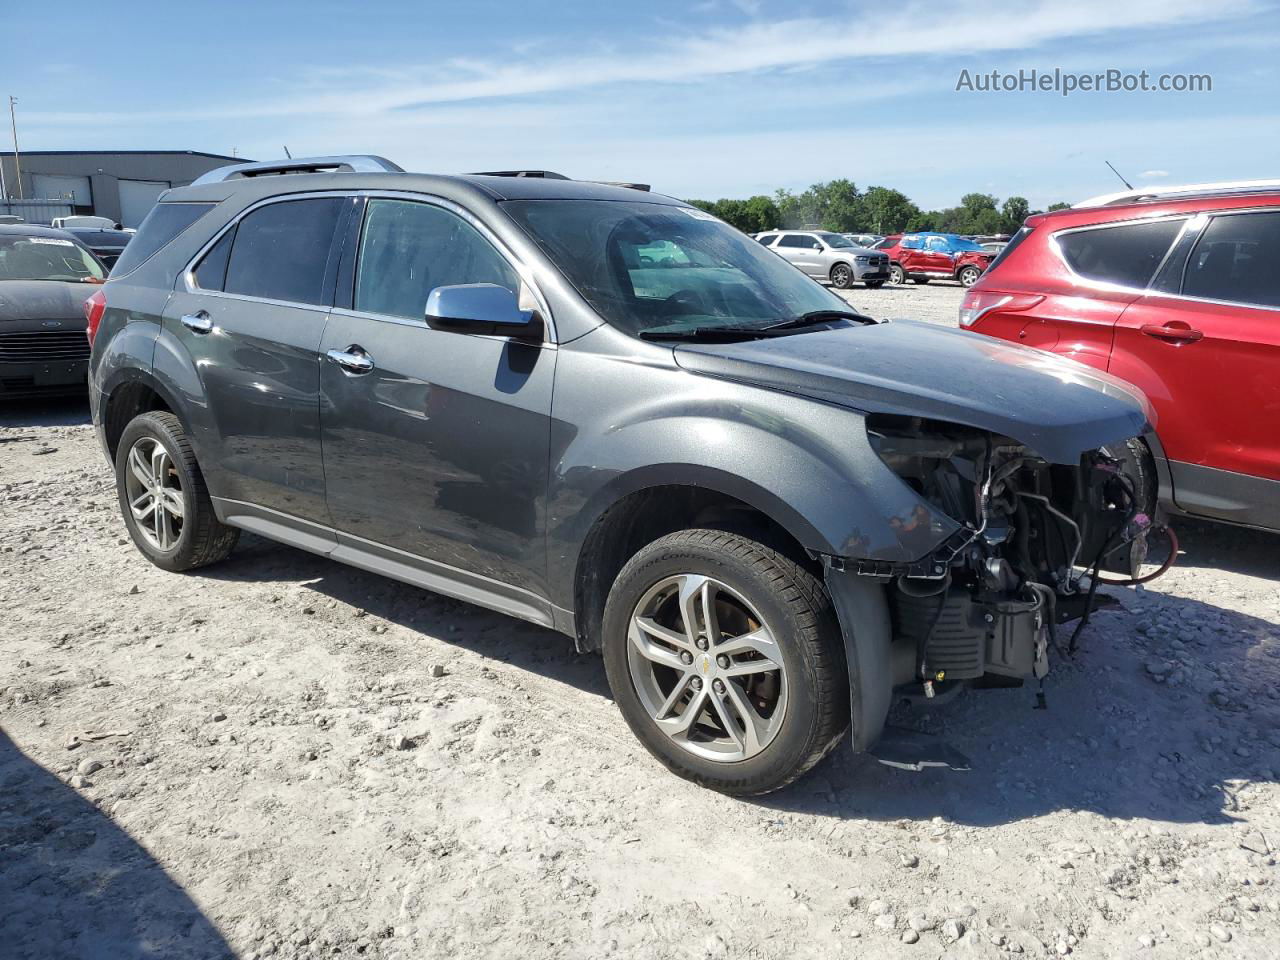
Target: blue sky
{"points": [[701, 99]]}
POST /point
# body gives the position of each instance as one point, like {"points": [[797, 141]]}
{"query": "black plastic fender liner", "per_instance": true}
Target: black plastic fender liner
{"points": [[863, 612]]}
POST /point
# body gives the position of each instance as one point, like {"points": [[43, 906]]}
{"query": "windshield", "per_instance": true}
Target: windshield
{"points": [[649, 267], [46, 258], [836, 240]]}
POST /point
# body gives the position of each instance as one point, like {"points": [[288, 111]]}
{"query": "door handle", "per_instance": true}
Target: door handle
{"points": [[199, 322], [1183, 334], [352, 360]]}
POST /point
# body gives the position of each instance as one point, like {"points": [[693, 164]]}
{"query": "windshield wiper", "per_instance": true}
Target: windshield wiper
{"points": [[727, 334], [814, 317]]}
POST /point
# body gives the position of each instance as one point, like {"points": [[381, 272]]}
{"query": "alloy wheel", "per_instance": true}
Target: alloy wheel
{"points": [[154, 492], [707, 668], [840, 276]]}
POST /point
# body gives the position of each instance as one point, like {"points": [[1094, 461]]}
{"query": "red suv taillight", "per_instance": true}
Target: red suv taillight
{"points": [[94, 308], [978, 303]]}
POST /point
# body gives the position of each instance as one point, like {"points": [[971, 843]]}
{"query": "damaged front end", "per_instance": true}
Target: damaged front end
{"points": [[983, 608]]}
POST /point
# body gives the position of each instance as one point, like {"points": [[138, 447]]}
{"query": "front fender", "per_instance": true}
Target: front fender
{"points": [[807, 465]]}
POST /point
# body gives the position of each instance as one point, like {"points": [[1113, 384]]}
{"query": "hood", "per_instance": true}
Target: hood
{"points": [[1057, 407], [27, 304]]}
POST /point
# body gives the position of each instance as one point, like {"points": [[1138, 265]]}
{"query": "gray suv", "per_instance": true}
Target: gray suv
{"points": [[829, 256], [607, 412]]}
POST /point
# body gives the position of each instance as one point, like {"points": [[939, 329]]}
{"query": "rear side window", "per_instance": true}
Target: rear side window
{"points": [[408, 249], [795, 240], [1009, 247], [1237, 259], [280, 251], [1126, 255], [158, 229]]}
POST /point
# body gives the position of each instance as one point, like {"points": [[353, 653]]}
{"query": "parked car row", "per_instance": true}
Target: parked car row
{"points": [[844, 259]]}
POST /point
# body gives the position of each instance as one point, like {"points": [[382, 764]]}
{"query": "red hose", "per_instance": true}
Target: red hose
{"points": [[1161, 571]]}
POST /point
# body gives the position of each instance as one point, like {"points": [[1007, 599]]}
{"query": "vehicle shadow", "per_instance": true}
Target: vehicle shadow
{"points": [[1112, 741], [73, 884], [51, 412], [466, 626], [1218, 546]]}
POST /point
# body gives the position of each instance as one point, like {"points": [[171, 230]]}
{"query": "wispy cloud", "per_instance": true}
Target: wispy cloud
{"points": [[756, 45], [1153, 174]]}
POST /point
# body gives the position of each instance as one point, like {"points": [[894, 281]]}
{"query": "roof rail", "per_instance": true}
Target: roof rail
{"points": [[541, 174], [1222, 188], [340, 164]]}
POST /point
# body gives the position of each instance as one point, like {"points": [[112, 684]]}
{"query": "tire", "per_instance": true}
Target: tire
{"points": [[842, 276], [808, 692], [1138, 464], [897, 275], [920, 280], [195, 538], [968, 276], [874, 284]]}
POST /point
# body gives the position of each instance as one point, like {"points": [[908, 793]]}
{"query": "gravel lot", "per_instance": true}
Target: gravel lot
{"points": [[281, 756]]}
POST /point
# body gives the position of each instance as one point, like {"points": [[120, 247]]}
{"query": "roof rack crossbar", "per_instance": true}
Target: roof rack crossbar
{"points": [[1223, 188], [356, 163]]}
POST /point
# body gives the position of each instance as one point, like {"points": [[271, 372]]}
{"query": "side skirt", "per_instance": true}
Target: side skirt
{"points": [[396, 564], [1223, 495]]}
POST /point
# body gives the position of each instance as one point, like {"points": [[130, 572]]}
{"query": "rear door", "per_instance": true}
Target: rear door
{"points": [[1206, 349], [251, 314], [798, 248], [437, 449]]}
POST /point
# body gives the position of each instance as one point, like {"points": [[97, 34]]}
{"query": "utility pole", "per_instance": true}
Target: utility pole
{"points": [[17, 168]]}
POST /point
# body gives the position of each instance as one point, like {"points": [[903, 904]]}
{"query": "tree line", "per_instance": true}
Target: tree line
{"points": [[841, 207]]}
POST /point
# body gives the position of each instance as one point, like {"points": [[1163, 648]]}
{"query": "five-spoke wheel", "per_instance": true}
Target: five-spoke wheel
{"points": [[707, 668], [154, 491]]}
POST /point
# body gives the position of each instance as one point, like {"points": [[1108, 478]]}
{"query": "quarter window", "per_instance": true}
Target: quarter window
{"points": [[281, 251], [1127, 255], [768, 238], [159, 227], [1237, 259], [211, 274], [407, 249]]}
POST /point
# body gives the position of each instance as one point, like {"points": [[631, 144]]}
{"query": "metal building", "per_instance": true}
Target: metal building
{"points": [[121, 185]]}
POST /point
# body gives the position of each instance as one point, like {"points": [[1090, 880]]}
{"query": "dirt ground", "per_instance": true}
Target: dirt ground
{"points": [[283, 757]]}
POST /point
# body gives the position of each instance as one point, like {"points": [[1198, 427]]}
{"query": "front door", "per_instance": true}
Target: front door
{"points": [[799, 249], [436, 444], [1207, 357], [252, 324]]}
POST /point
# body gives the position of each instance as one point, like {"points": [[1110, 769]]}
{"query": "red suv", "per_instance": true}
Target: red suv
{"points": [[1178, 292], [921, 257]]}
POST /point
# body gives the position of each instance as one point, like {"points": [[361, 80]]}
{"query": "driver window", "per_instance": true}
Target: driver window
{"points": [[407, 249]]}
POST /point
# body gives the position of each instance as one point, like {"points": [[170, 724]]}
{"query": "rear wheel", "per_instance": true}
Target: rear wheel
{"points": [[726, 661], [897, 275], [841, 276], [968, 276], [163, 498]]}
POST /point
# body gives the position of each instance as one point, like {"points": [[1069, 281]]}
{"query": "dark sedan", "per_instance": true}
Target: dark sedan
{"points": [[45, 276]]}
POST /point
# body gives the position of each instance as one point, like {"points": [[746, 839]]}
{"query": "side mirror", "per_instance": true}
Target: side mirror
{"points": [[817, 246], [481, 308]]}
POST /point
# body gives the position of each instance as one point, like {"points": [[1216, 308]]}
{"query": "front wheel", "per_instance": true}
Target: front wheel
{"points": [[726, 661], [968, 276], [897, 275], [163, 498], [841, 276]]}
